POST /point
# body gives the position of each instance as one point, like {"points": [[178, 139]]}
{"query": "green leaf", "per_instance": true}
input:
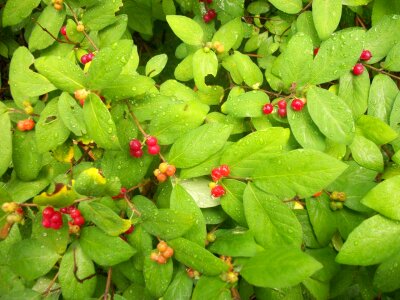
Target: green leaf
{"points": [[305, 23], [25, 153], [6, 142], [16, 11], [186, 29], [71, 114], [113, 32], [247, 154], [196, 257], [180, 287], [229, 34], [25, 83], [385, 197], [62, 72], [211, 288], [293, 66], [176, 120], [322, 218], [318, 289], [279, 267], [52, 20], [337, 55], [99, 16], [167, 223], [347, 220], [182, 201], [191, 149], [92, 183], [156, 64], [298, 172], [380, 39], [232, 201], [376, 130], [373, 241], [392, 59], [50, 129], [26, 294], [304, 130], [326, 256], [355, 2], [234, 242], [309, 237], [271, 221], [204, 63], [39, 262], [99, 124], [21, 191], [331, 114], [157, 276], [71, 288], [354, 90], [382, 94], [200, 191], [245, 105], [104, 218], [108, 63], [387, 274], [248, 70], [105, 250], [289, 6], [326, 16], [366, 153]]}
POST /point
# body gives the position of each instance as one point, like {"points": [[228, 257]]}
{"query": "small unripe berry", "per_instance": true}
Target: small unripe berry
{"points": [[80, 27], [163, 167], [169, 252], [28, 109], [151, 141], [58, 6], [153, 150], [74, 229], [154, 256], [297, 104], [268, 109], [212, 185], [232, 277], [14, 218], [358, 69], [171, 169], [9, 207], [211, 237], [156, 172], [366, 55], [81, 94], [162, 246]]}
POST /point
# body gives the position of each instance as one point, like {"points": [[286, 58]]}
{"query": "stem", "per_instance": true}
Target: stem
{"points": [[108, 284], [48, 289], [19, 111], [306, 7], [245, 179], [83, 199], [253, 55], [49, 33], [359, 20], [135, 119], [28, 204], [381, 71], [131, 206]]}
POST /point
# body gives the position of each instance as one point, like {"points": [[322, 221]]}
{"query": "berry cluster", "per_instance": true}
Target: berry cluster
{"points": [[216, 174], [57, 4], [164, 252], [15, 212], [81, 95], [192, 273], [297, 104], [164, 171], [337, 199], [231, 276], [358, 69], [51, 218], [25, 125], [210, 15], [135, 147], [86, 58]]}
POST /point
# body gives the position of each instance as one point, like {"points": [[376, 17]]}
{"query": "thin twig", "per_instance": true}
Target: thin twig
{"points": [[47, 291], [49, 33], [108, 284], [75, 270], [381, 71], [306, 7], [359, 20], [135, 119], [22, 112], [131, 206]]}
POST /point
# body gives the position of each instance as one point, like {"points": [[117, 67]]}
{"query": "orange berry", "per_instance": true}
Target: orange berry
{"points": [[161, 177], [58, 6], [171, 169], [29, 124], [161, 260], [168, 252], [162, 246]]}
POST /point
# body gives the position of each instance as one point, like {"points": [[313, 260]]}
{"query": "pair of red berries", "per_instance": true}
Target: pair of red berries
{"points": [[135, 147], [358, 69], [210, 15], [219, 172], [86, 58], [25, 125]]}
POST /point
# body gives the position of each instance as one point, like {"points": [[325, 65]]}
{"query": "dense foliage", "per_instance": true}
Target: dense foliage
{"points": [[214, 149]]}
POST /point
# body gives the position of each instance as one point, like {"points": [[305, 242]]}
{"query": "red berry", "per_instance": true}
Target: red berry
{"points": [[224, 170], [136, 153], [153, 150], [358, 69], [63, 30], [46, 223], [70, 208], [151, 141], [207, 18], [297, 104], [282, 104], [216, 174], [366, 55], [130, 230], [48, 212], [212, 13], [64, 210], [79, 221], [84, 59], [218, 191], [75, 213], [268, 109], [90, 56], [56, 225], [135, 145], [123, 190], [208, 1], [56, 217], [316, 51], [282, 112], [171, 169]]}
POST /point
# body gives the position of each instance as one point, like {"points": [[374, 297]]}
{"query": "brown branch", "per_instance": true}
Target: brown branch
{"points": [[306, 7], [48, 289], [49, 33], [135, 119], [75, 271], [131, 206], [382, 71], [108, 284]]}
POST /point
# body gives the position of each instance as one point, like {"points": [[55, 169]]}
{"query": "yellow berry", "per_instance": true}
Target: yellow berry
{"points": [[163, 167], [212, 185], [156, 172], [162, 246], [80, 27]]}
